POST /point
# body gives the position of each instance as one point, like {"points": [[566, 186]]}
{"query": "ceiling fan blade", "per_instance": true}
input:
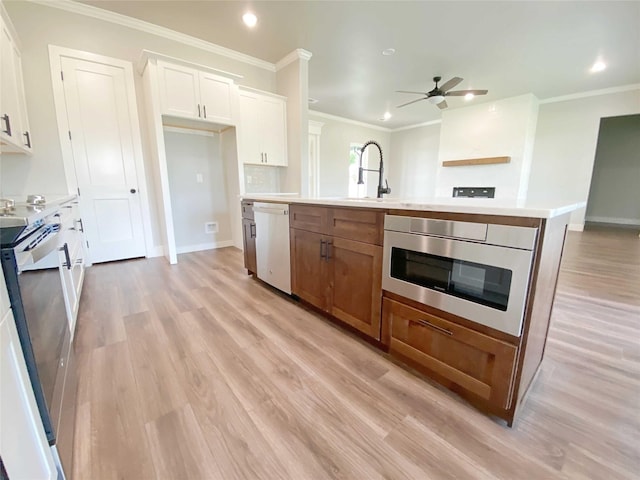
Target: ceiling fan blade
{"points": [[448, 85], [462, 93], [407, 91], [442, 105], [412, 101]]}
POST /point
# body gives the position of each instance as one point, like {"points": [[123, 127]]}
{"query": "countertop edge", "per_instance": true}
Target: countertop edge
{"points": [[389, 204]]}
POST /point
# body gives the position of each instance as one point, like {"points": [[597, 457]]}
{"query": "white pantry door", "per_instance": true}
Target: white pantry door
{"points": [[101, 126]]}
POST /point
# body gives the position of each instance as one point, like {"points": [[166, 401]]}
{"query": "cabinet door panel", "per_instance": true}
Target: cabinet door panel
{"points": [[215, 97], [480, 364], [309, 270], [23, 443], [274, 122], [356, 284], [10, 127], [179, 94], [249, 130]]}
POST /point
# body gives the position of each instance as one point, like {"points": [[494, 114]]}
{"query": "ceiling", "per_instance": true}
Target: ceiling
{"points": [[510, 48]]}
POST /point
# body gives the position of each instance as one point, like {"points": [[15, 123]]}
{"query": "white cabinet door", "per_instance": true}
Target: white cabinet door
{"points": [[98, 110], [24, 448], [216, 98], [179, 91], [10, 123], [250, 129], [273, 118], [263, 127]]}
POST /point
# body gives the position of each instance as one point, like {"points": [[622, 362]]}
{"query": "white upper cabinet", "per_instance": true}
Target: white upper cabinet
{"points": [[15, 135], [190, 93], [263, 129]]}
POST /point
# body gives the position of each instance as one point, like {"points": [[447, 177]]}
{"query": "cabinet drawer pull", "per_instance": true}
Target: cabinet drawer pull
{"points": [[199, 111], [28, 144], [67, 257], [7, 122], [323, 249], [252, 230], [328, 255], [204, 110], [426, 323], [266, 158]]}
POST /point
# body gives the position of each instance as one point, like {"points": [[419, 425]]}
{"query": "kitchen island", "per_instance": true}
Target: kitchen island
{"points": [[460, 289]]}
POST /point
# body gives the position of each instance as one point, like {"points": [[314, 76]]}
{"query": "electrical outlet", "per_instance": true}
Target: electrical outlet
{"points": [[199, 178], [249, 179], [211, 227]]}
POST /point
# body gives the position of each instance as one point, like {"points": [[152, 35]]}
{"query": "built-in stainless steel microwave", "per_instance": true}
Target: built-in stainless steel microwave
{"points": [[477, 271]]}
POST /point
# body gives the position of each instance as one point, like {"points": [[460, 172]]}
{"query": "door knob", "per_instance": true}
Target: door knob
{"points": [[133, 190]]}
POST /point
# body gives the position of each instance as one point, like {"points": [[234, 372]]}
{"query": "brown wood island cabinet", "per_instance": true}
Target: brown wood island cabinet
{"points": [[336, 263], [337, 266], [249, 237]]}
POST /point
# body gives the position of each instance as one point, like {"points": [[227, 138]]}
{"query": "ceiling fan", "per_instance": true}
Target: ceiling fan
{"points": [[436, 96]]}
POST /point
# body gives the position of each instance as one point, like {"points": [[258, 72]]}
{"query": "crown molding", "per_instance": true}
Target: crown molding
{"points": [[348, 120], [297, 54], [592, 93], [134, 23], [417, 125]]}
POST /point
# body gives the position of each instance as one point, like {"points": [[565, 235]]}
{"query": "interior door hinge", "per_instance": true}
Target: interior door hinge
{"points": [[69, 134], [78, 191], [62, 75], [87, 243]]}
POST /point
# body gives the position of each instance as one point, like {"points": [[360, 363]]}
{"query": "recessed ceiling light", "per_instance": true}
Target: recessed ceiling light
{"points": [[598, 66], [388, 51], [386, 116], [469, 96], [250, 19], [313, 100]]}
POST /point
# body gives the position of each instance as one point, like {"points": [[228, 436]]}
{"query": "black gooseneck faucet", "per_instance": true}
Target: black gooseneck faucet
{"points": [[381, 190]]}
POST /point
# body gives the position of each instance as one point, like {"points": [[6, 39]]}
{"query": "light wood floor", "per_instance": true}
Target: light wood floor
{"points": [[198, 371]]}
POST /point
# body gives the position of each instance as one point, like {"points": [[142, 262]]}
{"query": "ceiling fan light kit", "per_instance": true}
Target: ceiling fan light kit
{"points": [[438, 94]]}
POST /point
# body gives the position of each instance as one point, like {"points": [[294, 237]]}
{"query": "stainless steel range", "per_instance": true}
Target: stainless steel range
{"points": [[477, 271], [29, 239]]}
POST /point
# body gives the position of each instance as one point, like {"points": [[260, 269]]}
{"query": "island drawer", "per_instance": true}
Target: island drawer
{"points": [[357, 224], [362, 225], [477, 363], [309, 218]]}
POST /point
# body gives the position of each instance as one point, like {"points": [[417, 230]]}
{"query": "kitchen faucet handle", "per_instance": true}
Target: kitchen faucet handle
{"points": [[386, 190]]}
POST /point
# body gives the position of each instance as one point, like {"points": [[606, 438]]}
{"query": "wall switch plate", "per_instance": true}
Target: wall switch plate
{"points": [[211, 227], [199, 178], [249, 179]]}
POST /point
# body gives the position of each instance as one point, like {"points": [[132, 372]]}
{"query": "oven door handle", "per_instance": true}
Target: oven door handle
{"points": [[67, 257]]}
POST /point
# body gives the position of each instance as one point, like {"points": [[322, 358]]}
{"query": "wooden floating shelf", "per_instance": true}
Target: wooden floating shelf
{"points": [[476, 161]]}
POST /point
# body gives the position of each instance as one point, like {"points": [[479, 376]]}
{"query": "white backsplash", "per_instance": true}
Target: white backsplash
{"points": [[259, 179]]}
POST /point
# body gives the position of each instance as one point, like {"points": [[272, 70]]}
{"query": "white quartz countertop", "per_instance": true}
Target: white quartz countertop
{"points": [[480, 206], [26, 214]]}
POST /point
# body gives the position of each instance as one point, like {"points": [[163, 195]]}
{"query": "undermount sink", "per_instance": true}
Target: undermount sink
{"points": [[364, 199]]}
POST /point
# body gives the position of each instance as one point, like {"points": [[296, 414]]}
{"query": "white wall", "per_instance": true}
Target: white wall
{"points": [[193, 203], [503, 128], [413, 162], [37, 27], [614, 196], [565, 146], [337, 136]]}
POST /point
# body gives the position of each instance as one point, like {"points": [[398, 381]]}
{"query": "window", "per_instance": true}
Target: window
{"points": [[355, 190]]}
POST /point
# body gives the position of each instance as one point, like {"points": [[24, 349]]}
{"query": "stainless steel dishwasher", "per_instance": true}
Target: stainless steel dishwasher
{"points": [[272, 244]]}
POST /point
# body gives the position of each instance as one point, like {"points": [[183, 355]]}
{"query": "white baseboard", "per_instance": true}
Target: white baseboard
{"points": [[157, 251], [576, 227], [619, 221], [204, 246]]}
